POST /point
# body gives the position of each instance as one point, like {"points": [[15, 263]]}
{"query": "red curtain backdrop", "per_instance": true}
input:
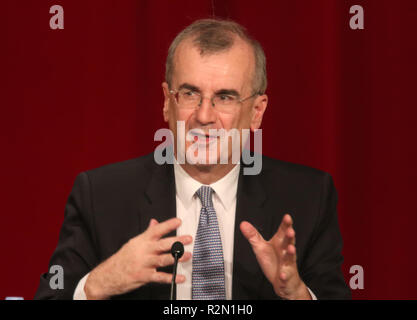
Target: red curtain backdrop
{"points": [[340, 100]]}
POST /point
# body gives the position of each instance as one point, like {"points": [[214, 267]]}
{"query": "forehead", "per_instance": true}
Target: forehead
{"points": [[228, 69]]}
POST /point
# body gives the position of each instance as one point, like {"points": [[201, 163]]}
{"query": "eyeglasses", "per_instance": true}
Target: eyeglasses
{"points": [[225, 103]]}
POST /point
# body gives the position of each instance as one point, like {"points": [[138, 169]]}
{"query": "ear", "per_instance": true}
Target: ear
{"points": [[258, 110], [165, 110]]}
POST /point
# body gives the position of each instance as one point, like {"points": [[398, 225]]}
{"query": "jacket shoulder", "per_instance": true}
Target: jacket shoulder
{"points": [[132, 172], [291, 170]]}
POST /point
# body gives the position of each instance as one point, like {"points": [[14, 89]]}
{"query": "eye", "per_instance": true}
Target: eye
{"points": [[189, 94], [225, 98], [186, 92]]}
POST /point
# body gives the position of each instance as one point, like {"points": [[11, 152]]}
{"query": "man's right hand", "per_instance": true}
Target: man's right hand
{"points": [[135, 264]]}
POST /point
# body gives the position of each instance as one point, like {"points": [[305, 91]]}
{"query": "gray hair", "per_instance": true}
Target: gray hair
{"points": [[215, 35]]}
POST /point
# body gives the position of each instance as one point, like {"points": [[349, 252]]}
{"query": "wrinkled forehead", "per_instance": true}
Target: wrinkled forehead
{"points": [[232, 68]]}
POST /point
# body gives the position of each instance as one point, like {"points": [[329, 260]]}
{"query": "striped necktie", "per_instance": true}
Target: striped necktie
{"points": [[208, 279]]}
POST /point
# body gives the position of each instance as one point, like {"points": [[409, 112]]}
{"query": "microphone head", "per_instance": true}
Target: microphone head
{"points": [[177, 249]]}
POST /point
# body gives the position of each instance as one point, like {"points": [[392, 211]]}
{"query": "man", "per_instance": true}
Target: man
{"points": [[239, 230]]}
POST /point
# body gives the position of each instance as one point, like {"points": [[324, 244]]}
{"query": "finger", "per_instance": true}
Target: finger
{"points": [[161, 229], [153, 222], [283, 276], [163, 277], [289, 238], [286, 223], [251, 234], [187, 256], [165, 244], [290, 256], [163, 260], [179, 278]]}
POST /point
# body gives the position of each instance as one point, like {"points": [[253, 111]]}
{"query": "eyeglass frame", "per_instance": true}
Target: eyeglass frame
{"points": [[175, 92]]}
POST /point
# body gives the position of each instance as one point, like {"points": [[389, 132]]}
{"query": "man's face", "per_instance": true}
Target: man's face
{"points": [[228, 71]]}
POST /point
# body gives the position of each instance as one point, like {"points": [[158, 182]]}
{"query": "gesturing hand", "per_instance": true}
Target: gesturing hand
{"points": [[136, 263], [277, 259]]}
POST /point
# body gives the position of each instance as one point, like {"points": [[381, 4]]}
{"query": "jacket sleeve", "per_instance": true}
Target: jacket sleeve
{"points": [[75, 251], [322, 267]]}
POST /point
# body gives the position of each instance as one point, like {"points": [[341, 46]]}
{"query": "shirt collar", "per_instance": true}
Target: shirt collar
{"points": [[225, 188]]}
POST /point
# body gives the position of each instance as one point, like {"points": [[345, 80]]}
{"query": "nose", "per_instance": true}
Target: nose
{"points": [[205, 113]]}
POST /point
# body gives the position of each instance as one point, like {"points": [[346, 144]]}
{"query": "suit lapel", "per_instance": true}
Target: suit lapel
{"points": [[247, 275], [160, 196], [159, 204]]}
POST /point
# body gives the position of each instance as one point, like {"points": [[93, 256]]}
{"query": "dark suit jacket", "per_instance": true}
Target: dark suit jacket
{"points": [[110, 205]]}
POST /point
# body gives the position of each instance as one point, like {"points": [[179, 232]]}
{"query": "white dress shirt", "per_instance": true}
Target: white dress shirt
{"points": [[188, 210]]}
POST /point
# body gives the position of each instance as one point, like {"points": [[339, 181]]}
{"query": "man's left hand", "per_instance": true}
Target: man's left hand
{"points": [[277, 259]]}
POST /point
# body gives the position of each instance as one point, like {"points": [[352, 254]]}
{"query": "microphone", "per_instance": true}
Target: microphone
{"points": [[177, 250]]}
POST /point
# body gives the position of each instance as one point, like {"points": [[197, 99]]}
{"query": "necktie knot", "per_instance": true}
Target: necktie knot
{"points": [[205, 194]]}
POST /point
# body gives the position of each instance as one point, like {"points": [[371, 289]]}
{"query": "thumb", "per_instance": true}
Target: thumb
{"points": [[251, 234]]}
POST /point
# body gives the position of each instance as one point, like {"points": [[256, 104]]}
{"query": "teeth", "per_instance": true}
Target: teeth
{"points": [[201, 135]]}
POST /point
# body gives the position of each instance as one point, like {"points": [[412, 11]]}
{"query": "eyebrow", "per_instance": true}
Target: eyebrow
{"points": [[231, 92], [189, 87]]}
